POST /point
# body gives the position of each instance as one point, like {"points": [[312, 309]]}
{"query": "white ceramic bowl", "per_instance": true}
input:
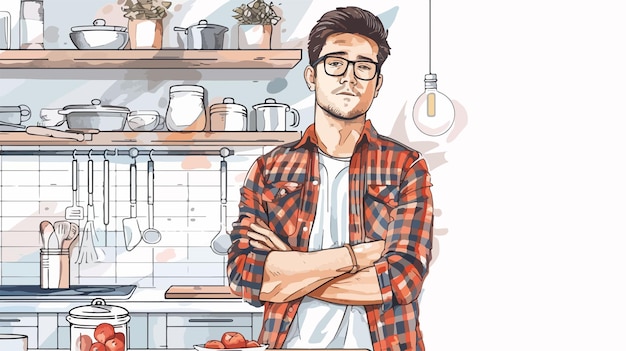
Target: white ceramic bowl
{"points": [[144, 120]]}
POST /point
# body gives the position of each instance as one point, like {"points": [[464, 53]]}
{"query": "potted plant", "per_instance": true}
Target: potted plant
{"points": [[145, 22], [256, 20]]}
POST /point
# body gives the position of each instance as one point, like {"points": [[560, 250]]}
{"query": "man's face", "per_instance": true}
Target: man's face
{"points": [[345, 96]]}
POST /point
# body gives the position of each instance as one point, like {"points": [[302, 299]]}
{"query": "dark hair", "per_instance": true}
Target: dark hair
{"points": [[349, 19]]}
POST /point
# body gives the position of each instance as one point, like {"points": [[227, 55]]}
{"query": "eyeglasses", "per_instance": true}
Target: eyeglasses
{"points": [[337, 66]]}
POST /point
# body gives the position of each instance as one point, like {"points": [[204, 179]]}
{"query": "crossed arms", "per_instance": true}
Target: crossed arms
{"points": [[261, 267]]}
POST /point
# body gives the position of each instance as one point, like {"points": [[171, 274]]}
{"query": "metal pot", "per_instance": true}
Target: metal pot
{"points": [[204, 36], [95, 323], [95, 116], [99, 36], [14, 114]]}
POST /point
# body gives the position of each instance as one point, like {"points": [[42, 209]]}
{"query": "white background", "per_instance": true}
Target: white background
{"points": [[533, 190]]}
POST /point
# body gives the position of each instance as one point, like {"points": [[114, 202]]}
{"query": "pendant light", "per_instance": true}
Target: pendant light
{"points": [[433, 112]]}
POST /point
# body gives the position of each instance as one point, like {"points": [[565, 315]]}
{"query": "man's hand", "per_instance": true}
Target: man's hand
{"points": [[262, 237]]}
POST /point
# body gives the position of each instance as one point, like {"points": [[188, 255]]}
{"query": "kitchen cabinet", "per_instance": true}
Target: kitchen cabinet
{"points": [[23, 323], [187, 329], [63, 331], [47, 333], [138, 331], [257, 324], [157, 330]]}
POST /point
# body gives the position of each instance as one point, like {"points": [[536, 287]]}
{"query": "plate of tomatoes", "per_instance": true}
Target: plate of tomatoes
{"points": [[232, 341]]}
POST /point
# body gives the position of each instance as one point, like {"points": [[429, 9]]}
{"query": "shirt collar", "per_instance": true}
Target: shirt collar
{"points": [[309, 138]]}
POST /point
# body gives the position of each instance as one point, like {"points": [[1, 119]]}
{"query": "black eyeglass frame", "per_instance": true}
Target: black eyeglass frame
{"points": [[323, 58]]}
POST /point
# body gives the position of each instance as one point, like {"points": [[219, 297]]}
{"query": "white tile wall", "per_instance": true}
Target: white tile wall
{"points": [[187, 212]]}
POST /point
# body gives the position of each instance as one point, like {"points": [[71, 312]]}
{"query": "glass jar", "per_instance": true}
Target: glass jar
{"points": [[186, 111], [31, 24], [98, 324]]}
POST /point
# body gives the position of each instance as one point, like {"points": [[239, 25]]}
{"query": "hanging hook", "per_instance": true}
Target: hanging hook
{"points": [[104, 154], [150, 155], [133, 153], [74, 154], [116, 154], [89, 154]]}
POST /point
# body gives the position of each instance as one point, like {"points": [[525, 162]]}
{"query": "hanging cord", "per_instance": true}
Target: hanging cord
{"points": [[429, 38]]}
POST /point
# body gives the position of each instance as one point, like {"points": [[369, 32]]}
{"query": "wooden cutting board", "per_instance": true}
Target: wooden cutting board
{"points": [[199, 292]]}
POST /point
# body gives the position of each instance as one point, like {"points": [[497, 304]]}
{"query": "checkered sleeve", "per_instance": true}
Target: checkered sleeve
{"points": [[404, 265], [245, 262]]}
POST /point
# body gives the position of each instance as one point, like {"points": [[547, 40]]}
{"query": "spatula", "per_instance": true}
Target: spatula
{"points": [[132, 233], [74, 212]]}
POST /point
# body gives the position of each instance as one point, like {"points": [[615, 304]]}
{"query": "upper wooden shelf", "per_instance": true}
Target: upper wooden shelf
{"points": [[148, 59], [186, 140]]}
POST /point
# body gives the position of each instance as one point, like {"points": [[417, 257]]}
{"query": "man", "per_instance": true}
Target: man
{"points": [[335, 230]]}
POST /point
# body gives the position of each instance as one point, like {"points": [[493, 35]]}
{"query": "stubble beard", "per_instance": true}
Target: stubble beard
{"points": [[338, 113]]}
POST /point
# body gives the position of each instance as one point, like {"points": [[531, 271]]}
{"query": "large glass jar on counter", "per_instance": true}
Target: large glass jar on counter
{"points": [[99, 324], [186, 111]]}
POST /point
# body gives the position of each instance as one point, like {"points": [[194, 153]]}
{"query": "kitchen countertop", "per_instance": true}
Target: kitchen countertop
{"points": [[143, 300]]}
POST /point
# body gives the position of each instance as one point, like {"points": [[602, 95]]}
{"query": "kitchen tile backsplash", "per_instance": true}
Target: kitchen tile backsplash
{"points": [[186, 210]]}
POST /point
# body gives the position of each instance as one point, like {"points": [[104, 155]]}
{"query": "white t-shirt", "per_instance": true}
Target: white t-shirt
{"points": [[321, 324]]}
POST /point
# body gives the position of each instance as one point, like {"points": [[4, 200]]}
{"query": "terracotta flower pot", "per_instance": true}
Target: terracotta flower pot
{"points": [[145, 33], [255, 36]]}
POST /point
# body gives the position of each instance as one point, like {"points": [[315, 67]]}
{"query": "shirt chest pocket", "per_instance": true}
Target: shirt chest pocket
{"points": [[282, 201], [378, 202]]}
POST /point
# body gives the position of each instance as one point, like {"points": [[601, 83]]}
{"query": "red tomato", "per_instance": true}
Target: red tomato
{"points": [[116, 343], [252, 343], [233, 340], [214, 344], [98, 346], [84, 343], [104, 332]]}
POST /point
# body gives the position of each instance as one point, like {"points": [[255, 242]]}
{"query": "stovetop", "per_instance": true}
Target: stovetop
{"points": [[30, 292]]}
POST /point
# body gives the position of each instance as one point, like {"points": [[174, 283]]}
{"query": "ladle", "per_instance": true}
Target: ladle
{"points": [[222, 241], [151, 235]]}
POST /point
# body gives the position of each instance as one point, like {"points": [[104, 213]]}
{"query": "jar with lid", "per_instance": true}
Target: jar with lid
{"points": [[97, 324], [31, 24], [228, 116], [185, 110]]}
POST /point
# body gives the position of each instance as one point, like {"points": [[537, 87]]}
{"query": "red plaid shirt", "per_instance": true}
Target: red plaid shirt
{"points": [[390, 200]]}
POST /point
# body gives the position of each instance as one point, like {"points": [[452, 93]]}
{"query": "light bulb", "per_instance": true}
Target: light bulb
{"points": [[433, 112]]}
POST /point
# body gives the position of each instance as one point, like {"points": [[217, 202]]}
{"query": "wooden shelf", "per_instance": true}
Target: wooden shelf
{"points": [[186, 140], [151, 59]]}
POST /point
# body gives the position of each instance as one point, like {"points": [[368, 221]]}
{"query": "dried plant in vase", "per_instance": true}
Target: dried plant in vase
{"points": [[256, 20], [145, 22]]}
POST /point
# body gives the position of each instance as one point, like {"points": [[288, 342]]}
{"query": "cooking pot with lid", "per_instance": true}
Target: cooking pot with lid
{"points": [[98, 323], [228, 116], [204, 36], [95, 116]]}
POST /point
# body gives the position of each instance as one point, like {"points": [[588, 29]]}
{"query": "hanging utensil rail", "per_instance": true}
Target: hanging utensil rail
{"points": [[224, 151]]}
